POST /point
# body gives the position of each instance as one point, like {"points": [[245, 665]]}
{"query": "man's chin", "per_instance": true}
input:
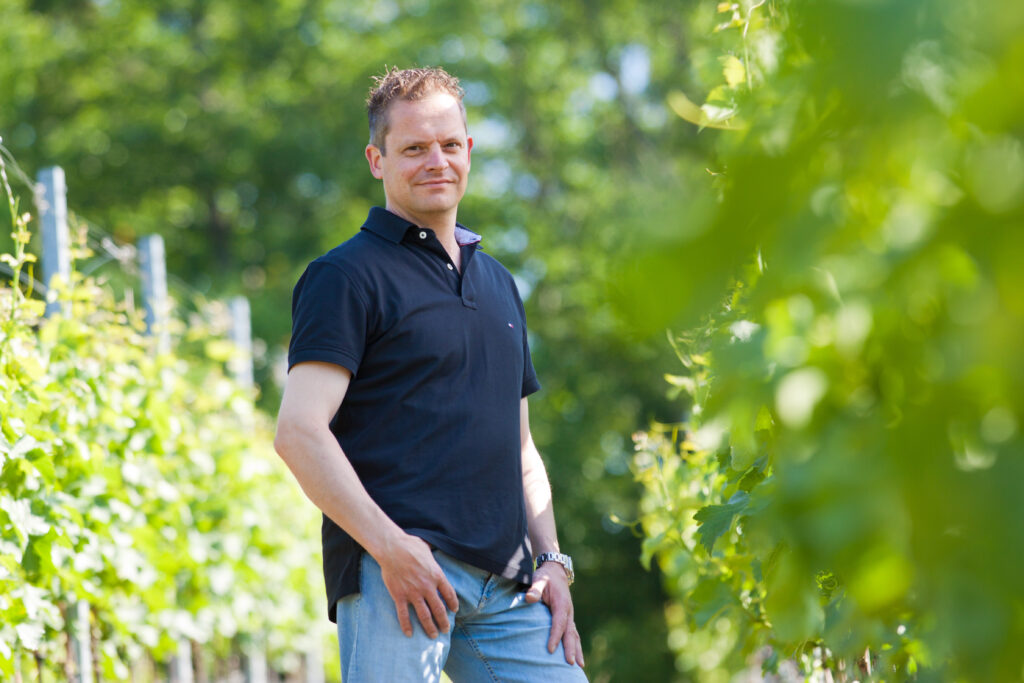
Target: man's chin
{"points": [[438, 204]]}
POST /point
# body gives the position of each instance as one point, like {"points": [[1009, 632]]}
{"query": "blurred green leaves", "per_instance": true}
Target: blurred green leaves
{"points": [[142, 483], [876, 339]]}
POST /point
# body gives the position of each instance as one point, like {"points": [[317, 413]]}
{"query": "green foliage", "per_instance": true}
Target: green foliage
{"points": [[142, 483], [844, 491]]}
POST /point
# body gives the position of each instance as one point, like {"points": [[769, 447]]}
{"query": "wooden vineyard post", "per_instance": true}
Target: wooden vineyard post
{"points": [[154, 288], [53, 216], [241, 335]]}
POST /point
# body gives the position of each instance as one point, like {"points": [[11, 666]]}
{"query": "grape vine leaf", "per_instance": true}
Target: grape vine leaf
{"points": [[650, 548], [715, 520], [38, 558], [709, 598], [6, 660], [751, 478], [30, 635]]}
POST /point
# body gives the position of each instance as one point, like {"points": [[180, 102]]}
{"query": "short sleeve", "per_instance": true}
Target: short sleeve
{"points": [[530, 382], [329, 318]]}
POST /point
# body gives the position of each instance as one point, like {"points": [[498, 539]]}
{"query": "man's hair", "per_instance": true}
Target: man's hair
{"points": [[410, 85]]}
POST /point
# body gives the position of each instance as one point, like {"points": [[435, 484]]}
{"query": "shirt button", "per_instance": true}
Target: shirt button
{"points": [[423, 235], [451, 267]]}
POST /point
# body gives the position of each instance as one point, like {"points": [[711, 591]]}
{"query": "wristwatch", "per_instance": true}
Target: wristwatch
{"points": [[561, 559]]}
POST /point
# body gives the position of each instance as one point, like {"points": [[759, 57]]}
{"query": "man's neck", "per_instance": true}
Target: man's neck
{"points": [[443, 225]]}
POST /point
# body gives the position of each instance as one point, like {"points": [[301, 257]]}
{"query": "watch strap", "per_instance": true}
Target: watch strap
{"points": [[560, 558]]}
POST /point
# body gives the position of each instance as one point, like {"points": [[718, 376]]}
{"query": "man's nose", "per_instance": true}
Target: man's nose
{"points": [[436, 158]]}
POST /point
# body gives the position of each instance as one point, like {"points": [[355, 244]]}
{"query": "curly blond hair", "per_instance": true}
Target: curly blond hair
{"points": [[410, 85]]}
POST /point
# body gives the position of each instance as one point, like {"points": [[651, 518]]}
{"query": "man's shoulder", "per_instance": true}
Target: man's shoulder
{"points": [[357, 261], [491, 262], [360, 251], [493, 266]]}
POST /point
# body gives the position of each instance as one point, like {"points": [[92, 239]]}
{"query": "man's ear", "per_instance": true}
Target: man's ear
{"points": [[469, 148], [373, 155]]}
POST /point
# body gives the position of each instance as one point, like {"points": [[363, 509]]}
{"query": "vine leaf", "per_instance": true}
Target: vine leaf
{"points": [[650, 548], [30, 635], [38, 558], [6, 660], [751, 478], [715, 520], [708, 599], [707, 116]]}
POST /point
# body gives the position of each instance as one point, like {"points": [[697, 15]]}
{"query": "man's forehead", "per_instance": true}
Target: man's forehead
{"points": [[438, 113], [435, 104]]}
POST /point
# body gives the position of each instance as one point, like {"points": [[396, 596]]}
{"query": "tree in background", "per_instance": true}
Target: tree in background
{"points": [[845, 490]]}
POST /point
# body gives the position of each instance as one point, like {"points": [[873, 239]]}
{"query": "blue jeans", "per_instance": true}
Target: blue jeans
{"points": [[497, 635]]}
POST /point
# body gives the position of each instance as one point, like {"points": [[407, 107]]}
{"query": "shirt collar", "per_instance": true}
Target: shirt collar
{"points": [[393, 228], [464, 236]]}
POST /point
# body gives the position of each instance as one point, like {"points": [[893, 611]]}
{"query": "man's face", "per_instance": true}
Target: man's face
{"points": [[427, 162]]}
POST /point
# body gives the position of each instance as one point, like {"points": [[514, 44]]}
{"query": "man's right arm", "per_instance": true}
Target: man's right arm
{"points": [[305, 442]]}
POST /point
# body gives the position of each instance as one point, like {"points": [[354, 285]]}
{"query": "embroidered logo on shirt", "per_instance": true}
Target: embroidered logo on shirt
{"points": [[511, 326]]}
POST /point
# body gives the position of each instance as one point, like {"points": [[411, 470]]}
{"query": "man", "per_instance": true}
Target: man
{"points": [[405, 420]]}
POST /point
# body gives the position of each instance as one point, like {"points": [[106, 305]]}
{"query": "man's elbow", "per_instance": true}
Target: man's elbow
{"points": [[281, 440], [288, 437]]}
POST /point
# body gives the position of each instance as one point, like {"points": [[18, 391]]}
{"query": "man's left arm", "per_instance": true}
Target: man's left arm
{"points": [[550, 582]]}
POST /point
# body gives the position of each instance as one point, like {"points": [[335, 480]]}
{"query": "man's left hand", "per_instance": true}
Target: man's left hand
{"points": [[551, 585]]}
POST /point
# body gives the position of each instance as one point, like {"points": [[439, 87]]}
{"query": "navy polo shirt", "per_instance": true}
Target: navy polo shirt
{"points": [[430, 421]]}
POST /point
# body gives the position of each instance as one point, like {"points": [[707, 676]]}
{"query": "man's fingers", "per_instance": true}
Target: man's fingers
{"points": [[536, 591], [438, 611], [413, 576], [559, 621], [403, 618], [572, 645], [450, 598], [425, 618]]}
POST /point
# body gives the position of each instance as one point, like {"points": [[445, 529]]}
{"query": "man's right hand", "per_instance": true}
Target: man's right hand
{"points": [[413, 577]]}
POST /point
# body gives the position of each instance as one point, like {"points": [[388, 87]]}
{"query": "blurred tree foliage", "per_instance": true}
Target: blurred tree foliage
{"points": [[845, 491]]}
